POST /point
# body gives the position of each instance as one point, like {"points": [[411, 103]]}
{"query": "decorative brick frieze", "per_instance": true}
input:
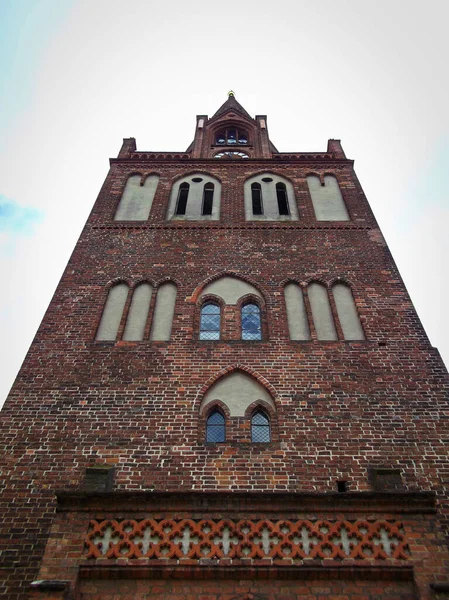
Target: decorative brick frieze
{"points": [[261, 539]]}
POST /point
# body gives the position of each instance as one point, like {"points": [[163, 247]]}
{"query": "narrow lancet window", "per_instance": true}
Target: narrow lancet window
{"points": [[138, 313], [208, 199], [163, 313], [216, 427], [112, 313], [256, 196], [183, 194], [321, 312], [260, 428], [251, 326], [210, 322], [281, 194], [347, 313]]}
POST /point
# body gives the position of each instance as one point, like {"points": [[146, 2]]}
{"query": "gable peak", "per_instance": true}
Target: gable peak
{"points": [[231, 104]]}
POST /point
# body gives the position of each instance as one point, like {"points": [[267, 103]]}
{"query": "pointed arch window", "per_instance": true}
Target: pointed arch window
{"points": [[256, 197], [260, 428], [282, 198], [251, 325], [208, 199], [210, 322], [181, 203], [216, 427]]}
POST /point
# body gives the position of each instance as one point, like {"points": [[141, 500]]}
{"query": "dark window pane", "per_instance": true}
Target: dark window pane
{"points": [[232, 135], [281, 193], [221, 138], [215, 427], [260, 428], [183, 194], [256, 196], [208, 199], [243, 138]]}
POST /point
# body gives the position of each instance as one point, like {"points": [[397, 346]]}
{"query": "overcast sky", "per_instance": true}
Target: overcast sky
{"points": [[76, 76]]}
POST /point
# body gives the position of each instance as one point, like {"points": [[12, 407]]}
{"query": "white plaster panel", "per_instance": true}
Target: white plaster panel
{"points": [[321, 312], [163, 313], [138, 313], [230, 289], [327, 199], [298, 325], [112, 313], [136, 200], [237, 391], [195, 199], [269, 199], [347, 313]]}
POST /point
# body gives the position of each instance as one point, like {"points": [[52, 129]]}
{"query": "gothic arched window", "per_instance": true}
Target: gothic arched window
{"points": [[251, 325], [260, 427], [112, 312], [282, 198], [210, 322], [208, 199], [215, 427], [231, 136], [256, 198], [181, 203], [269, 197]]}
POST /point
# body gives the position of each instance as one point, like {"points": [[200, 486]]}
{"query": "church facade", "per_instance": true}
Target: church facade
{"points": [[230, 395]]}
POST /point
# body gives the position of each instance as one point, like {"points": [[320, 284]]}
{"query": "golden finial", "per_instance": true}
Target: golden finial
{"points": [[231, 93]]}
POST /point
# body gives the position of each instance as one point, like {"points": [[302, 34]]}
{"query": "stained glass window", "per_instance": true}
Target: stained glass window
{"points": [[210, 322], [251, 327], [260, 428], [215, 427]]}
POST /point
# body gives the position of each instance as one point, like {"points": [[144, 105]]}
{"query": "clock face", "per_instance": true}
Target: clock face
{"points": [[231, 155]]}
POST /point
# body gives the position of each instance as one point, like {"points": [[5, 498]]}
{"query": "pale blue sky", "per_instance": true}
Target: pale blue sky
{"points": [[76, 76], [26, 28]]}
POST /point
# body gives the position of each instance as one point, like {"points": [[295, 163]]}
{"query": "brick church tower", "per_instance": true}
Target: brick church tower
{"points": [[231, 395]]}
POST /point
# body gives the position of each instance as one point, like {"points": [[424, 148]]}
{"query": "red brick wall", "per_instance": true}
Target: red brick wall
{"points": [[341, 406], [344, 589]]}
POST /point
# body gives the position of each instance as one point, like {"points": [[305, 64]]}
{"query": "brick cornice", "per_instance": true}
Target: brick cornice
{"points": [[265, 502]]}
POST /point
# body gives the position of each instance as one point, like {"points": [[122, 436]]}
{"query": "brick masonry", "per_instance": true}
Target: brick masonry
{"points": [[341, 407]]}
